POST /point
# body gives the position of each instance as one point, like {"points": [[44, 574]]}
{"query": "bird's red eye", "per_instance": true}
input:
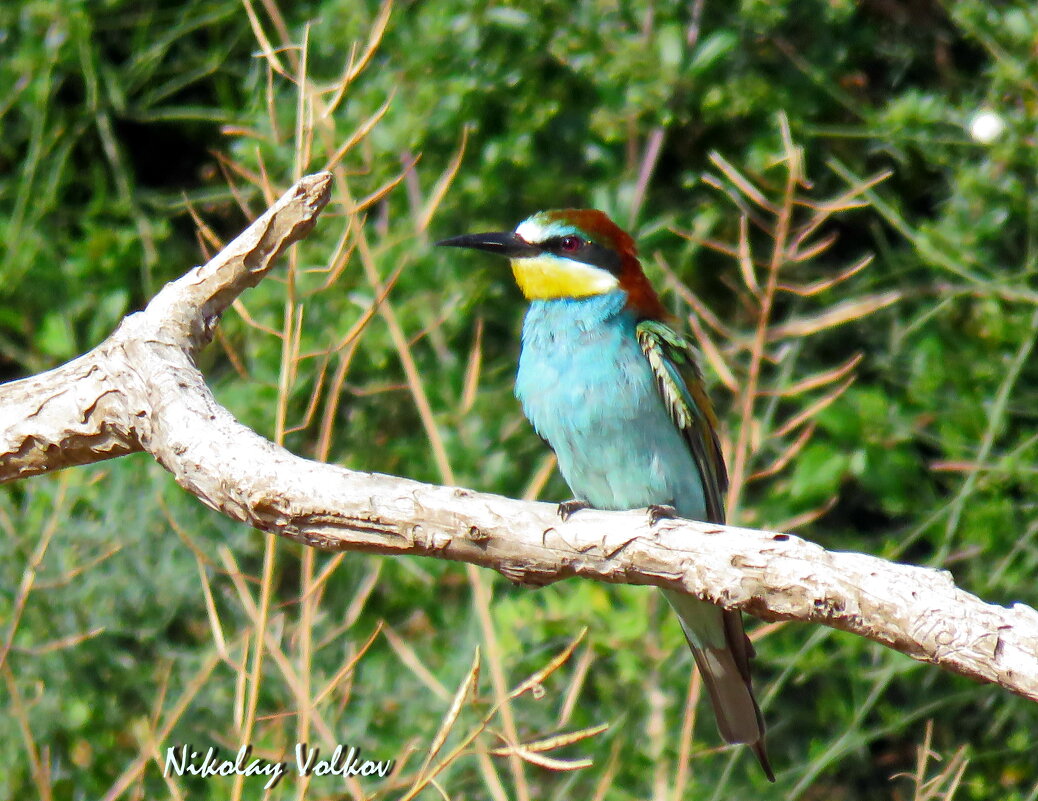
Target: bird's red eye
{"points": [[571, 243]]}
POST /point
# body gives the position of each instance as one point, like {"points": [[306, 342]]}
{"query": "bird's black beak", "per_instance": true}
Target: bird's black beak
{"points": [[509, 244]]}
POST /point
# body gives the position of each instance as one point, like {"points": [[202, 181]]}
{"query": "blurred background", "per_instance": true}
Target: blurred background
{"points": [[836, 198]]}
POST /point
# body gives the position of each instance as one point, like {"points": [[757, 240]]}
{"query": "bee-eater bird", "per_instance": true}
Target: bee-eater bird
{"points": [[617, 394]]}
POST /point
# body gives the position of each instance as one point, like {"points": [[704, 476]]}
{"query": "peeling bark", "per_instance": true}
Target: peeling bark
{"points": [[140, 390]]}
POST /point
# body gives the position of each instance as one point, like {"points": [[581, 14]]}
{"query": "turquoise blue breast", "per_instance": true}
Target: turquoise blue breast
{"points": [[587, 388]]}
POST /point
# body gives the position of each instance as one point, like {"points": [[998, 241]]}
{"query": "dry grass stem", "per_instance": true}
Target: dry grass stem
{"points": [[756, 364]]}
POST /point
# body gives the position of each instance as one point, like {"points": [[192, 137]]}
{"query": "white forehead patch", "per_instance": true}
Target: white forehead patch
{"points": [[536, 229]]}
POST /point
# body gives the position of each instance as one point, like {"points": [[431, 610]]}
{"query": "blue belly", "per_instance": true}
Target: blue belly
{"points": [[587, 388]]}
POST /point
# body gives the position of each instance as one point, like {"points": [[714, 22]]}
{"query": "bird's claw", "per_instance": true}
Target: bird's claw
{"points": [[661, 511], [567, 508]]}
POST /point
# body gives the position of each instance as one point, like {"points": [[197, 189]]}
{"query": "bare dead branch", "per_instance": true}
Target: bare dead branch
{"points": [[140, 390], [98, 406]]}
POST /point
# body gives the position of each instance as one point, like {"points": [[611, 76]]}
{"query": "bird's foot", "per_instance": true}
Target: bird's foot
{"points": [[567, 508], [661, 511]]}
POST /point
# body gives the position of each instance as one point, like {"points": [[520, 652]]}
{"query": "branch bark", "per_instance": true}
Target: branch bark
{"points": [[140, 390]]}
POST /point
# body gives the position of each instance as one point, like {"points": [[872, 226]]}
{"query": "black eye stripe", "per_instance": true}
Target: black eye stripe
{"points": [[588, 252], [564, 244]]}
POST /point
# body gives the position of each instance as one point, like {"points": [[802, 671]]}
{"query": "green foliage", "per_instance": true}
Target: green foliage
{"points": [[113, 113], [109, 112]]}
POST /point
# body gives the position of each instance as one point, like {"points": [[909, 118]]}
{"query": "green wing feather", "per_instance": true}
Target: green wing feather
{"points": [[718, 642], [681, 387]]}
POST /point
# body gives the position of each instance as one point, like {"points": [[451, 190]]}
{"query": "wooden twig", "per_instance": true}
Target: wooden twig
{"points": [[140, 390]]}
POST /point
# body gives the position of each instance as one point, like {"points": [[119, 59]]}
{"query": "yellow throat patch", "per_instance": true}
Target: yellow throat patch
{"points": [[550, 277]]}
